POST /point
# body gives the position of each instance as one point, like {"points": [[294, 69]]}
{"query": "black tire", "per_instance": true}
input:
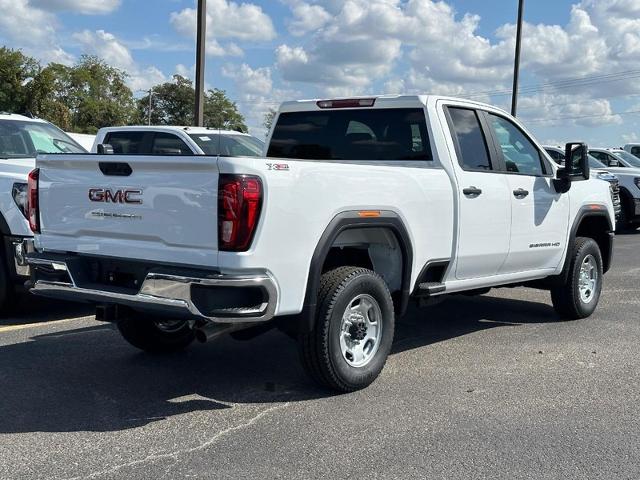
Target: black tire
{"points": [[7, 288], [623, 219], [320, 349], [144, 333], [627, 210], [566, 299]]}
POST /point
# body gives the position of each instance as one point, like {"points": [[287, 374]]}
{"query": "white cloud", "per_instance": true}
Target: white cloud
{"points": [[308, 18], [248, 80], [106, 46], [88, 7], [184, 71], [226, 20], [568, 109], [32, 29], [365, 39], [256, 94], [425, 46], [111, 49]]}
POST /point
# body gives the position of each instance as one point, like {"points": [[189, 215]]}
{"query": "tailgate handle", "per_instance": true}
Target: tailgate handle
{"points": [[115, 169]]}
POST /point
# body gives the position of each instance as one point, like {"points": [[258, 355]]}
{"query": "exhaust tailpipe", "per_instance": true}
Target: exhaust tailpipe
{"points": [[211, 331]]}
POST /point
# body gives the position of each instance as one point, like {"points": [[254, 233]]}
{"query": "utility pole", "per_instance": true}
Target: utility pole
{"points": [[200, 61], [516, 65], [150, 104]]}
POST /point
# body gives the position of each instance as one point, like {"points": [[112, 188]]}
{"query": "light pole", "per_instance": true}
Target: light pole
{"points": [[516, 65], [200, 61], [150, 104]]}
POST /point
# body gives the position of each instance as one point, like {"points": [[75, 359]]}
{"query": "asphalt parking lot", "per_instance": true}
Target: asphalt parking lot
{"points": [[484, 387]]}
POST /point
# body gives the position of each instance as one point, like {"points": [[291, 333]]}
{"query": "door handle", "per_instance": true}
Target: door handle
{"points": [[520, 193], [472, 191]]}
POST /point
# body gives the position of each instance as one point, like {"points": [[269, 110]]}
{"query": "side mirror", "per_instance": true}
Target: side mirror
{"points": [[614, 163], [104, 149], [577, 168]]}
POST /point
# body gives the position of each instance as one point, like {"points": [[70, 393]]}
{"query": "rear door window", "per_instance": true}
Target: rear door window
{"points": [[389, 134], [471, 143]]}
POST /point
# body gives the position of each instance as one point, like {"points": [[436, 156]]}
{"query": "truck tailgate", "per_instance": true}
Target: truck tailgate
{"points": [[165, 210]]}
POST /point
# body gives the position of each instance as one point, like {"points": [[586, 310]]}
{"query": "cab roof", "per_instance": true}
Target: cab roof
{"points": [[172, 128], [19, 118], [379, 101]]}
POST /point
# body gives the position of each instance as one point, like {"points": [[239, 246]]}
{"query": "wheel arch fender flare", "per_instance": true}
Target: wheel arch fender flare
{"points": [[587, 212], [354, 220]]}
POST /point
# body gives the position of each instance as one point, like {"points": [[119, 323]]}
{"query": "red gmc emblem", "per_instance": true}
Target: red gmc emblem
{"points": [[115, 196]]}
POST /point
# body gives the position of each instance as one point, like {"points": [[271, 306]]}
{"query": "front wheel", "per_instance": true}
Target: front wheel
{"points": [[579, 296], [353, 332], [156, 335]]}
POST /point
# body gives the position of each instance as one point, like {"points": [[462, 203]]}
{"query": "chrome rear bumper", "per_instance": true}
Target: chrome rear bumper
{"points": [[160, 292]]}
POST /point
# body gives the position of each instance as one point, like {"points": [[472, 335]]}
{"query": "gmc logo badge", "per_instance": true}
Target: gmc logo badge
{"points": [[118, 196]]}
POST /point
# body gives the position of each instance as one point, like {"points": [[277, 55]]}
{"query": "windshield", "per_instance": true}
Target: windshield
{"points": [[20, 139], [628, 158], [229, 145], [595, 163]]}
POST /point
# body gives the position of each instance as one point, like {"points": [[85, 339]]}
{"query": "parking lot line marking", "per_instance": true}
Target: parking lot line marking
{"points": [[14, 328]]}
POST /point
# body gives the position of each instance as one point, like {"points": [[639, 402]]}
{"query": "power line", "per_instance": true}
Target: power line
{"points": [[578, 117], [552, 105], [561, 84]]}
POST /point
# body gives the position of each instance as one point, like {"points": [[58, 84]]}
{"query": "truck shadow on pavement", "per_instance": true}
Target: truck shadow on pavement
{"points": [[28, 309], [89, 379]]}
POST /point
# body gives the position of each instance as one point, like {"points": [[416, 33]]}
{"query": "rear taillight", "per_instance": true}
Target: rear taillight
{"points": [[239, 204], [32, 201]]}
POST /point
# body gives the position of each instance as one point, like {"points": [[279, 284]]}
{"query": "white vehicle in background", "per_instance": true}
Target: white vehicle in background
{"points": [[626, 167], [632, 148], [21, 140], [599, 170], [84, 139], [170, 140]]}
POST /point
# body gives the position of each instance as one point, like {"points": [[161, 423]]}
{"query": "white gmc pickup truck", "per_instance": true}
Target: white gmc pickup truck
{"points": [[358, 206]]}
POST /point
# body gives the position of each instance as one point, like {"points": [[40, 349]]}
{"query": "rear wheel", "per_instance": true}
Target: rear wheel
{"points": [[579, 296], [353, 331], [7, 290], [156, 335]]}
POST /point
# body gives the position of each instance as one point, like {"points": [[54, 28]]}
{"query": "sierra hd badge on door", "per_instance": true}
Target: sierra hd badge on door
{"points": [[106, 195]]}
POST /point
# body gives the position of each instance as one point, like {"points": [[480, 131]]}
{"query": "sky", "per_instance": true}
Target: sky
{"points": [[579, 73]]}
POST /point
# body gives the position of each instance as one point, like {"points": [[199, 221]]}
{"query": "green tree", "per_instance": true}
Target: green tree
{"points": [[269, 117], [221, 112], [48, 95], [16, 71], [98, 96], [171, 103]]}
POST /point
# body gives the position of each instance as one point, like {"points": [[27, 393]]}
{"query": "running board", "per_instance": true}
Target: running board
{"points": [[429, 289]]}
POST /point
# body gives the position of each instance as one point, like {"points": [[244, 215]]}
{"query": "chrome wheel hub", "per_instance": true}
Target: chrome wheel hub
{"points": [[588, 279], [361, 330]]}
